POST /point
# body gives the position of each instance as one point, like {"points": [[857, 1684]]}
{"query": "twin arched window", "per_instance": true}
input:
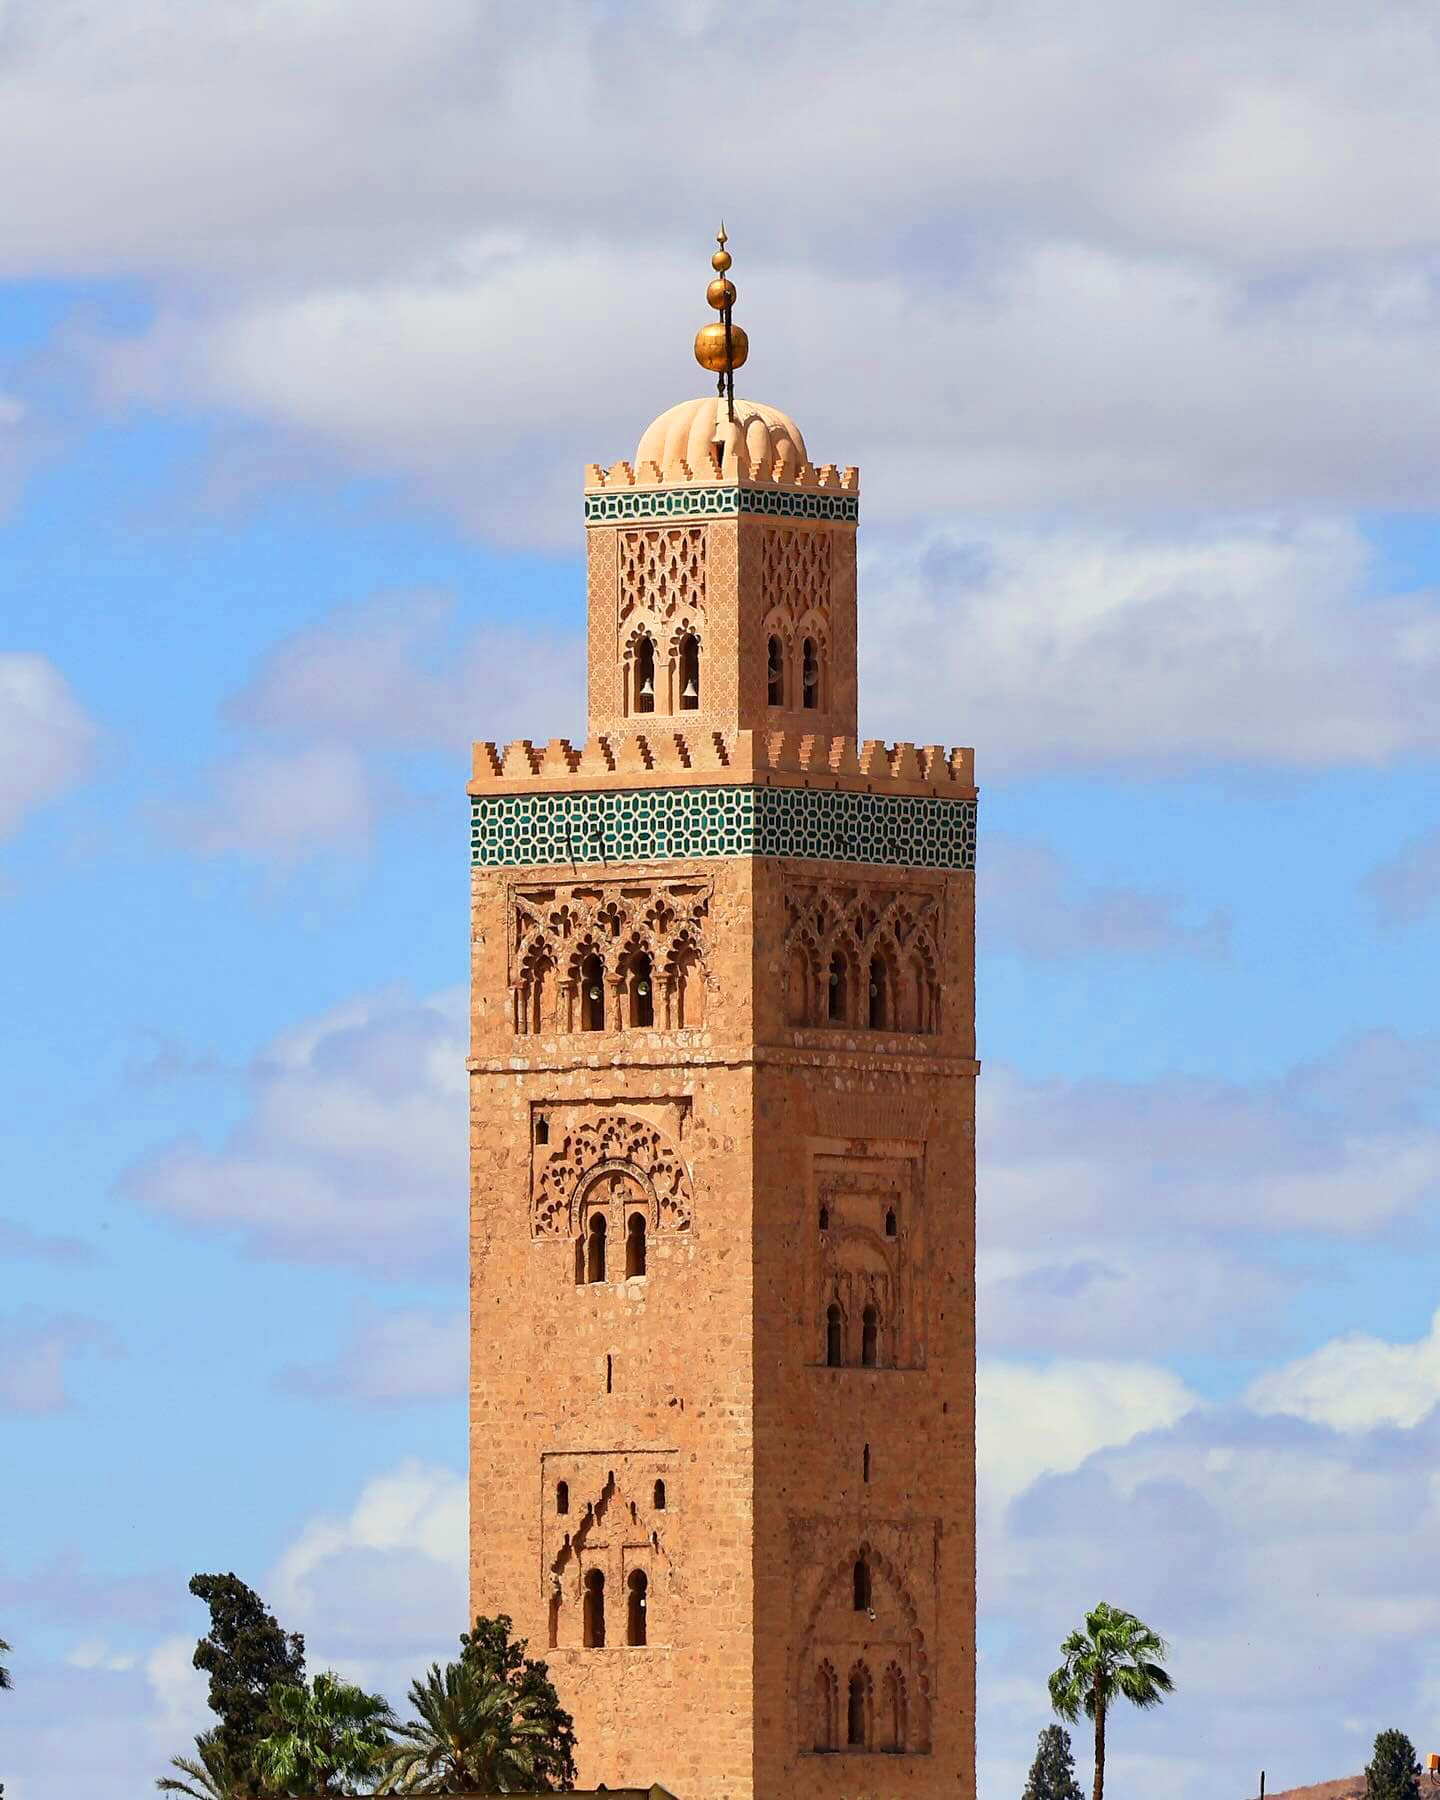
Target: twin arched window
{"points": [[811, 674], [684, 675], [870, 1337]]}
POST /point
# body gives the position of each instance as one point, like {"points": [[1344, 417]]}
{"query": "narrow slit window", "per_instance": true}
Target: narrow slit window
{"points": [[609, 1374], [869, 1338], [834, 1347], [645, 676], [659, 1496], [865, 1466], [855, 1713], [635, 1246], [562, 1496], [637, 1601], [595, 1248], [861, 1584], [592, 994], [810, 675], [689, 672], [595, 1610], [891, 1223], [824, 1218], [878, 996], [775, 672], [542, 1129]]}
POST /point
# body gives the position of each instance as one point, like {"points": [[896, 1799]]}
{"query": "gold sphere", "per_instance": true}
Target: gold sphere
{"points": [[721, 260], [721, 293], [710, 347]]}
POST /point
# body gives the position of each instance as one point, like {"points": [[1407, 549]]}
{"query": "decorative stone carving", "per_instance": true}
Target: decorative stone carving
{"points": [[863, 956], [612, 1156]]}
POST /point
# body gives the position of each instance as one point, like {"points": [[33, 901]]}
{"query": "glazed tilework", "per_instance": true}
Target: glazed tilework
{"points": [[714, 502], [516, 831]]}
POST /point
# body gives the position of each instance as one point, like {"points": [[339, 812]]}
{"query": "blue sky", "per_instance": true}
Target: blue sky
{"points": [[309, 320]]}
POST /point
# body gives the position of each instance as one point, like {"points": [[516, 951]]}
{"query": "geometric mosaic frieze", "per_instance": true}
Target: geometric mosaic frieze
{"points": [[641, 825], [708, 502]]}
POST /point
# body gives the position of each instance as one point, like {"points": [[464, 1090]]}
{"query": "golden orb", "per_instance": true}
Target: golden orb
{"points": [[710, 347], [721, 260], [721, 294]]}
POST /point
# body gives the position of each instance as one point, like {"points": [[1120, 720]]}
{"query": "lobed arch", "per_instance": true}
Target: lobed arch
{"points": [[836, 1587], [597, 1152]]}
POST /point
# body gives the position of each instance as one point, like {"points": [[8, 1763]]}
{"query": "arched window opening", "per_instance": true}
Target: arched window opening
{"points": [[810, 675], [537, 1002], [592, 994], [837, 1006], [645, 676], [595, 1610], [634, 1245], [855, 1713], [659, 1496], [562, 1496], [861, 1584], [775, 673], [869, 1338], [879, 999], [833, 1347], [891, 1223], [636, 1602], [542, 1129], [642, 991], [797, 988], [824, 1218], [824, 1707], [865, 1476], [689, 672], [896, 1723], [595, 1248], [689, 990]]}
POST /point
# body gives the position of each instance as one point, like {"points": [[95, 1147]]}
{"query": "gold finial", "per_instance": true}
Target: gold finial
{"points": [[722, 345]]}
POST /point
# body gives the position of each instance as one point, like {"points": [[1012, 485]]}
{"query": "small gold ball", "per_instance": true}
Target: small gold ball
{"points": [[721, 260], [721, 293]]}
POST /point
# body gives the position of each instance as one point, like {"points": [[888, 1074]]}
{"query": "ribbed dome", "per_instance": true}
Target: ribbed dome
{"points": [[763, 432]]}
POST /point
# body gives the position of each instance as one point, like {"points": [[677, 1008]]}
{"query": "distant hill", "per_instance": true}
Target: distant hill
{"points": [[1350, 1787]]}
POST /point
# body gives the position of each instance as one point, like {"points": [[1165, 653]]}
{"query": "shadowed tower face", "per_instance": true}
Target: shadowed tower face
{"points": [[722, 1129]]}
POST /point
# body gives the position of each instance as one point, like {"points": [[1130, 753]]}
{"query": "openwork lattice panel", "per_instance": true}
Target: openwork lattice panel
{"points": [[662, 572], [516, 831]]}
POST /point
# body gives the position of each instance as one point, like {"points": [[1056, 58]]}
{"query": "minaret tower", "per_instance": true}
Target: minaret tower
{"points": [[722, 1083]]}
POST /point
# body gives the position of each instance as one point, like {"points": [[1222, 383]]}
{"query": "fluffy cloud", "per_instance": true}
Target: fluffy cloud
{"points": [[1028, 902], [353, 1149], [35, 1357], [282, 806], [1342, 1146], [391, 674], [1083, 647], [392, 1357], [1407, 887], [1356, 1383], [46, 738]]}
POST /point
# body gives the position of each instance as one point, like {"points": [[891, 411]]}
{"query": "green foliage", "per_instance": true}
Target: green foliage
{"points": [[472, 1736], [208, 1774], [323, 1738], [1052, 1774], [1114, 1657], [1393, 1772], [490, 1651], [245, 1654], [4, 1672]]}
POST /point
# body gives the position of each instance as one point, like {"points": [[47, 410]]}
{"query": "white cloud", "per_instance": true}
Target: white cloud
{"points": [[36, 1353], [1038, 1421], [1355, 1383], [391, 1357], [1246, 644], [353, 1150], [93, 1653], [1029, 902], [46, 738], [283, 805]]}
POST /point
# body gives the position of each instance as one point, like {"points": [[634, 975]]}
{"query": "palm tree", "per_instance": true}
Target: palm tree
{"points": [[210, 1776], [323, 1737], [4, 1672], [473, 1736], [1115, 1656]]}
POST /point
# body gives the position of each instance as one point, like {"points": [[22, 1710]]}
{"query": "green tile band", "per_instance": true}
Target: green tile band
{"points": [[634, 825], [703, 502]]}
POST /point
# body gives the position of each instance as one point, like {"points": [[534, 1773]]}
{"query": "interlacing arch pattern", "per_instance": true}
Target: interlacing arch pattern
{"points": [[597, 959], [796, 580], [613, 1143], [662, 572], [914, 1693], [862, 957]]}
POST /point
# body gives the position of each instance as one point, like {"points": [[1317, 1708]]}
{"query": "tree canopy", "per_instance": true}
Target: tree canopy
{"points": [[1052, 1774], [1115, 1657], [246, 1654], [324, 1737], [1393, 1772]]}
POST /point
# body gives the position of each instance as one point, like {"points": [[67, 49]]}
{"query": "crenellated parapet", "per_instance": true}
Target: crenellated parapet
{"points": [[781, 470], [678, 758]]}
